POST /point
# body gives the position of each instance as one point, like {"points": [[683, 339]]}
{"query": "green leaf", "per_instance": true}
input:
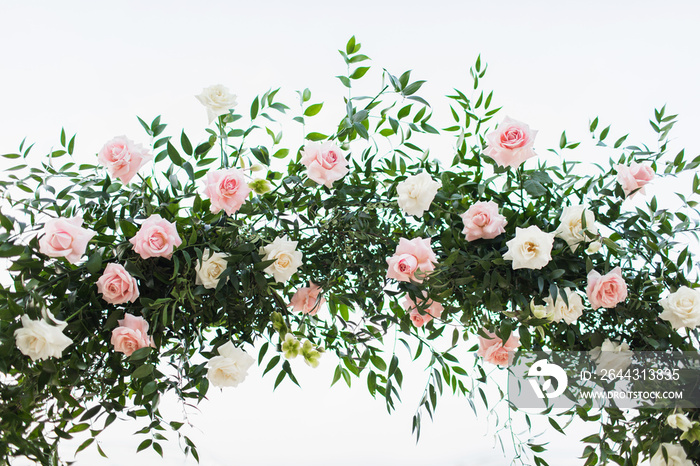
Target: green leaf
{"points": [[350, 46], [316, 137], [534, 188], [359, 72], [313, 109], [94, 263], [412, 88], [174, 155], [185, 143], [142, 371]]}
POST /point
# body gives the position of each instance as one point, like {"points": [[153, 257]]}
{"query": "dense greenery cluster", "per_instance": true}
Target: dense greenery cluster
{"points": [[346, 233]]}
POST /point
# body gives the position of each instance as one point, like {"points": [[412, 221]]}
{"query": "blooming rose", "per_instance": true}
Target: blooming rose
{"points": [[227, 190], [230, 368], [494, 351], [530, 249], [64, 237], [117, 285], [611, 356], [511, 144], [218, 100], [607, 290], [132, 334], [411, 257], [571, 228], [679, 421], [325, 163], [416, 193], [482, 220], [210, 268], [123, 158], [307, 300], [287, 258], [682, 308], [425, 315], [40, 340], [634, 177], [156, 238], [675, 454], [560, 310]]}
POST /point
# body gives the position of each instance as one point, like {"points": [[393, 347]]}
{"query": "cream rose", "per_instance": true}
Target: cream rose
{"points": [[571, 227], [40, 340], [229, 368], [530, 249], [218, 100], [210, 268], [560, 310], [682, 308], [287, 258], [675, 454], [416, 193], [611, 356]]}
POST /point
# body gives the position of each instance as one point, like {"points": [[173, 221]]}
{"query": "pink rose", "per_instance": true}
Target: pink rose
{"points": [[325, 163], [494, 351], [123, 158], [307, 300], [482, 220], [607, 290], [425, 315], [410, 257], [634, 177], [132, 334], [156, 238], [117, 285], [64, 237], [511, 144], [227, 190]]}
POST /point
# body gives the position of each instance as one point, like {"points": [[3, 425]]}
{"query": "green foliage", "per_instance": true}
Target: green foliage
{"points": [[346, 233]]}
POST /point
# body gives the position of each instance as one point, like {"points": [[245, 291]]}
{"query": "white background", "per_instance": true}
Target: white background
{"points": [[91, 67]]}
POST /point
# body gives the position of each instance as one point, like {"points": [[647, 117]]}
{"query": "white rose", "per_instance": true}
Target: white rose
{"points": [[416, 193], [40, 340], [679, 421], [230, 368], [530, 249], [682, 308], [210, 269], [288, 259], [560, 310], [611, 356], [571, 227], [218, 100], [675, 453]]}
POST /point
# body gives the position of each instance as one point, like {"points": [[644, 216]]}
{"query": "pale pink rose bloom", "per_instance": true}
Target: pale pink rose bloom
{"points": [[117, 285], [411, 257], [511, 144], [132, 334], [227, 190], [425, 315], [123, 158], [156, 238], [482, 220], [307, 300], [607, 290], [64, 237], [634, 177], [325, 163], [494, 351]]}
